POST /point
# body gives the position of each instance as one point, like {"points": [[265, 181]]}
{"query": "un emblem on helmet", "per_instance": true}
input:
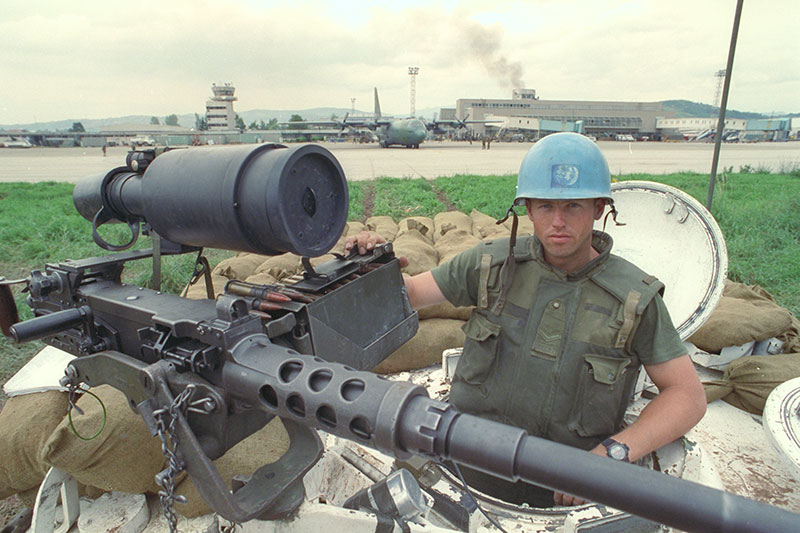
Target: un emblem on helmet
{"points": [[564, 176]]}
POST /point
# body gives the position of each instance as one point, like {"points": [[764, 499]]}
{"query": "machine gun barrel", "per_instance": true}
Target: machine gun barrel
{"points": [[399, 419], [510, 453]]}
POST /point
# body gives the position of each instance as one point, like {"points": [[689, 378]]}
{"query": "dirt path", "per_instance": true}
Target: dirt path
{"points": [[369, 201], [450, 206]]}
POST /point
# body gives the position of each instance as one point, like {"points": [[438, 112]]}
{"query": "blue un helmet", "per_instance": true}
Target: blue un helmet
{"points": [[563, 166]]}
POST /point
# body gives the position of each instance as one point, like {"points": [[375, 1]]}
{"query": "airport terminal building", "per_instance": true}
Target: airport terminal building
{"points": [[601, 119]]}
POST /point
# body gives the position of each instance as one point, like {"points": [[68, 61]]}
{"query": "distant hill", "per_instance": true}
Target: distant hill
{"points": [[685, 108]]}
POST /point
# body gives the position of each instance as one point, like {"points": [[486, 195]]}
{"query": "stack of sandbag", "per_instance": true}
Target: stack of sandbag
{"points": [[747, 314], [240, 266], [383, 225], [414, 241], [26, 423], [453, 234], [114, 452], [747, 381], [440, 326], [449, 221], [104, 461], [485, 227], [744, 314]]}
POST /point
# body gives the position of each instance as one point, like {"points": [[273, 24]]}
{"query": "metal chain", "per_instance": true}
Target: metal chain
{"points": [[72, 397], [165, 426]]}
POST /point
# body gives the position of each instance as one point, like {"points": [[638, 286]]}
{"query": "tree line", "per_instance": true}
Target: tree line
{"points": [[201, 124]]}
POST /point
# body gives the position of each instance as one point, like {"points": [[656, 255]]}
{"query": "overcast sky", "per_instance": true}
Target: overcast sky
{"points": [[95, 59]]}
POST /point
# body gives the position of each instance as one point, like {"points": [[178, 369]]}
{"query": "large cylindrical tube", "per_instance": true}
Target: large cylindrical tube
{"points": [[265, 199], [429, 427], [398, 418]]}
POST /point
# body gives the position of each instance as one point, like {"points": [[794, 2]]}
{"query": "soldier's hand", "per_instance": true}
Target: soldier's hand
{"points": [[365, 242]]}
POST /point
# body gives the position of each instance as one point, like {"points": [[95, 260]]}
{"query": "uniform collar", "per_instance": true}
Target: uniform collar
{"points": [[601, 241]]}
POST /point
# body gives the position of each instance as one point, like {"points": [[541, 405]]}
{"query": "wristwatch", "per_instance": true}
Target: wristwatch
{"points": [[617, 450]]}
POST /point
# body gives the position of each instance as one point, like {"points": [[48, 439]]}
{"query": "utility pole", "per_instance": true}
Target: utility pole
{"points": [[724, 104], [413, 71]]}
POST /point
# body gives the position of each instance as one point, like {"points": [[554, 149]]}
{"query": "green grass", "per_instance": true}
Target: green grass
{"points": [[488, 194], [757, 212], [39, 224], [403, 197], [356, 191]]}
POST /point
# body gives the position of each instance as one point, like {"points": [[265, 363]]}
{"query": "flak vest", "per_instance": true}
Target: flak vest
{"points": [[552, 355]]}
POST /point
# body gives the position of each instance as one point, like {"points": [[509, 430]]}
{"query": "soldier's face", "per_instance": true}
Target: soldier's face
{"points": [[565, 229]]}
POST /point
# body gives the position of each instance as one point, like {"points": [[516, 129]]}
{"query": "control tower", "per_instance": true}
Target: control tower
{"points": [[219, 108]]}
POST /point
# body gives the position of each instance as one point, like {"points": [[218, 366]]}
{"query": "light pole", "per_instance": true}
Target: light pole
{"points": [[413, 71]]}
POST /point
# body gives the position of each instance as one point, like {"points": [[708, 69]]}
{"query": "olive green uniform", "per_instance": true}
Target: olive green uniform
{"points": [[555, 353]]}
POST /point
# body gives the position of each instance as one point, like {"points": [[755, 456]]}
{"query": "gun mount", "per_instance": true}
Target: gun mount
{"points": [[216, 372]]}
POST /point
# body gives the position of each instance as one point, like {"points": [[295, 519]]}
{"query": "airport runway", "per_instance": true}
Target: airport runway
{"points": [[431, 160]]}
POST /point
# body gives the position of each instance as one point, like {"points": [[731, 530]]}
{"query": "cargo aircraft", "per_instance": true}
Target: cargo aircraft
{"points": [[408, 132]]}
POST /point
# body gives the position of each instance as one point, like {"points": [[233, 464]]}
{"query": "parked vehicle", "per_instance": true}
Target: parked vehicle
{"points": [[141, 140]]}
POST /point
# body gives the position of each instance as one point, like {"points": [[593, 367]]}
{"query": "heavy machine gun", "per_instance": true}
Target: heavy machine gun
{"points": [[205, 374]]}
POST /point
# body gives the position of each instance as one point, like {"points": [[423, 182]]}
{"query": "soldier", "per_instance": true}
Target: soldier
{"points": [[561, 325]]}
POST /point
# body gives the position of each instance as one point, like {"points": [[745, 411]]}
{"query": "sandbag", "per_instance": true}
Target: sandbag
{"points": [[421, 254], [791, 337], [262, 278], [123, 457], [425, 348], [486, 227], [26, 423], [280, 266], [743, 314], [424, 225], [383, 225], [448, 221], [747, 381], [354, 228], [198, 290], [265, 446], [453, 243], [240, 266], [445, 310]]}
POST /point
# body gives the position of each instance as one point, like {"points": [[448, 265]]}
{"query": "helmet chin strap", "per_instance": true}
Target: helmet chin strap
{"points": [[613, 212], [509, 264]]}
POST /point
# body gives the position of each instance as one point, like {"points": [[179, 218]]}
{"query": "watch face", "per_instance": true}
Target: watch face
{"points": [[616, 451]]}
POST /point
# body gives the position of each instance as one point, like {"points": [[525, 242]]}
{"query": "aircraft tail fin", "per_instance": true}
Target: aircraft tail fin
{"points": [[377, 105]]}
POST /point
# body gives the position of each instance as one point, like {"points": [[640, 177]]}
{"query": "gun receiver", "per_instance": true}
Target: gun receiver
{"points": [[220, 370]]}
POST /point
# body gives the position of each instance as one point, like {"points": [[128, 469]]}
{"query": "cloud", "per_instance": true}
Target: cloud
{"points": [[82, 59]]}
